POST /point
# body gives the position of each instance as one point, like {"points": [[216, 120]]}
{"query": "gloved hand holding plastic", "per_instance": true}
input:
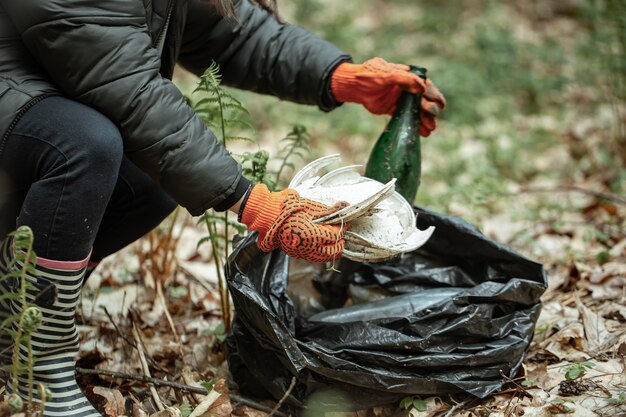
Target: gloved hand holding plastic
{"points": [[380, 222]]}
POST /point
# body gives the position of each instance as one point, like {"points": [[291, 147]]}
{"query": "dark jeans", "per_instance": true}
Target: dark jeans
{"points": [[63, 173]]}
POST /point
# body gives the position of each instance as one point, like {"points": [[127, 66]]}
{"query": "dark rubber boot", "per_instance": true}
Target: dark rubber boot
{"points": [[55, 341]]}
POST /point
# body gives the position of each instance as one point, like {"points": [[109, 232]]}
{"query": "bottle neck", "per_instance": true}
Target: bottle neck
{"points": [[409, 103]]}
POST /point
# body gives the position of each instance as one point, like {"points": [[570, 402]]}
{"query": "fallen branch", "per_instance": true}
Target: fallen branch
{"points": [[146, 369], [572, 188], [176, 385], [284, 397], [161, 298], [144, 378], [127, 340], [456, 407]]}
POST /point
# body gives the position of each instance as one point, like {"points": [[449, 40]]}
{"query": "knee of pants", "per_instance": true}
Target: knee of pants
{"points": [[102, 150], [79, 140]]}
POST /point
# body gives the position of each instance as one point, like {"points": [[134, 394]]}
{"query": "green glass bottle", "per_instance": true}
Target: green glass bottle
{"points": [[397, 152]]}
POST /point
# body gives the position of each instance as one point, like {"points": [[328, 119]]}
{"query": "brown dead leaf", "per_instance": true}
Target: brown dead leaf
{"points": [[539, 355], [608, 270], [596, 334], [114, 404], [434, 407], [168, 412], [138, 411], [567, 343], [538, 373], [615, 315], [245, 411], [222, 407], [559, 408], [216, 403], [5, 410], [383, 411]]}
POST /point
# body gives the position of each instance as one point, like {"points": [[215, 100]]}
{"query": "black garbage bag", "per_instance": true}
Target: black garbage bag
{"points": [[455, 316]]}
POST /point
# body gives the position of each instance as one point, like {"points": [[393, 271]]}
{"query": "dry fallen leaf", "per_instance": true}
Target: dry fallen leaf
{"points": [[168, 412], [567, 343], [596, 334], [5, 410], [216, 403], [138, 411], [114, 403], [245, 411]]}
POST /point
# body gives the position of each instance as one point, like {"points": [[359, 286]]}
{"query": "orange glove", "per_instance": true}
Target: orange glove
{"points": [[377, 85], [285, 220]]}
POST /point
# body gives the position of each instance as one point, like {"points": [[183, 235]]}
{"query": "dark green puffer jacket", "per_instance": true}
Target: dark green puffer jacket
{"points": [[103, 53]]}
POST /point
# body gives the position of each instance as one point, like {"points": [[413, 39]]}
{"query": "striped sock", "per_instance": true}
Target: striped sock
{"points": [[55, 342]]}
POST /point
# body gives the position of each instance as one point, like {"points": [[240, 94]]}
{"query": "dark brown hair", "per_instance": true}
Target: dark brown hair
{"points": [[227, 9]]}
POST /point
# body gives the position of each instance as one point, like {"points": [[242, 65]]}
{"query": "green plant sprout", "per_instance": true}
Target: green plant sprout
{"points": [[219, 332], [221, 111], [619, 401], [577, 370], [224, 113], [208, 385], [413, 401], [21, 266], [184, 408], [295, 144]]}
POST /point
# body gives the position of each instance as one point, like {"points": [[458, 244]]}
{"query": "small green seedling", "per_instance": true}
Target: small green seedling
{"points": [[561, 406], [219, 332], [184, 408], [620, 400], [413, 401], [577, 370], [208, 385]]}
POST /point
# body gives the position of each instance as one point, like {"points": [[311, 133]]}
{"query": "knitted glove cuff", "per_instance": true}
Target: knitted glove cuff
{"points": [[263, 207], [342, 82]]}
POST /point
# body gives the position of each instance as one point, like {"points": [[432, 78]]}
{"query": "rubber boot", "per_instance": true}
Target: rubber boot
{"points": [[57, 287]]}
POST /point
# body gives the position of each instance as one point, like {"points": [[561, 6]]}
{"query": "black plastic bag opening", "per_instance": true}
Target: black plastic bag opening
{"points": [[455, 316]]}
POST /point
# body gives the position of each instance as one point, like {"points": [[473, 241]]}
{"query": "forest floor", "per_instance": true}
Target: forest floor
{"points": [[531, 149], [159, 299]]}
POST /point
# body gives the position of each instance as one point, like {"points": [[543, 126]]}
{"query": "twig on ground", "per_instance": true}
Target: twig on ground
{"points": [[206, 403], [117, 329], [455, 408], [146, 369], [130, 342], [284, 397], [176, 385], [572, 188], [161, 298], [188, 380], [209, 286], [143, 378]]}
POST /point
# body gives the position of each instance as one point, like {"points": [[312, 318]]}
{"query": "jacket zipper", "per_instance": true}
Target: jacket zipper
{"points": [[19, 115], [163, 32]]}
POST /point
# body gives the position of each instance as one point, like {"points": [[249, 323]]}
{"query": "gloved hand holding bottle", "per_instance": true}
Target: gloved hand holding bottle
{"points": [[377, 85], [285, 220]]}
